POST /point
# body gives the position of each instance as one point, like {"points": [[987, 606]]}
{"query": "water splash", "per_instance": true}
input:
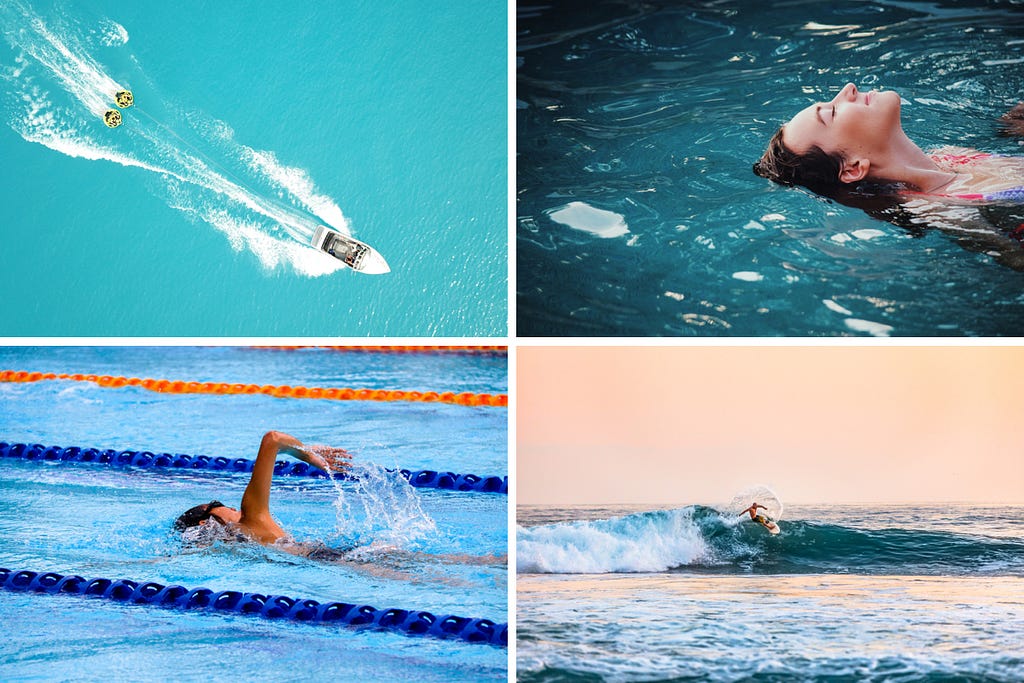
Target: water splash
{"points": [[112, 34], [382, 511], [762, 495]]}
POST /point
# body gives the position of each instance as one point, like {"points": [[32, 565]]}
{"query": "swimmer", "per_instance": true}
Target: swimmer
{"points": [[853, 149], [253, 521]]}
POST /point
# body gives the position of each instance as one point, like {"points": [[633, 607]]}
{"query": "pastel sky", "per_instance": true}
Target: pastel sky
{"points": [[693, 424]]}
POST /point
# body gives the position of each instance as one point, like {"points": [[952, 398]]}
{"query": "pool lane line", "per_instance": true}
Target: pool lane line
{"points": [[436, 350], [269, 606], [278, 391], [449, 481]]}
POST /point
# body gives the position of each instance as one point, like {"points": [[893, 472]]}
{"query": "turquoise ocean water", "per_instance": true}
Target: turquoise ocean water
{"points": [[843, 593], [255, 122]]}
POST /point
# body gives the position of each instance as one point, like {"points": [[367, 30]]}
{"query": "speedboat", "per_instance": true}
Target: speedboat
{"points": [[353, 253]]}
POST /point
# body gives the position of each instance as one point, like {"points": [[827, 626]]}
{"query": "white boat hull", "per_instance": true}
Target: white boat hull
{"points": [[356, 255]]}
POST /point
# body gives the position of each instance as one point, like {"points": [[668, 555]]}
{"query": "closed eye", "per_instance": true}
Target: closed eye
{"points": [[821, 115]]}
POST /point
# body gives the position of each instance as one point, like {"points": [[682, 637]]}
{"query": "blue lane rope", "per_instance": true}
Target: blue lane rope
{"points": [[145, 459], [410, 622]]}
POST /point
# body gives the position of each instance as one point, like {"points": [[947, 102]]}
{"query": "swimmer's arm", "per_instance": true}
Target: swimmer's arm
{"points": [[256, 499], [989, 240], [327, 458], [972, 230]]}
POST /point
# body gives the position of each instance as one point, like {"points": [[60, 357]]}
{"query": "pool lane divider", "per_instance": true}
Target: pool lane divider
{"points": [[410, 622], [434, 479], [167, 386], [435, 350]]}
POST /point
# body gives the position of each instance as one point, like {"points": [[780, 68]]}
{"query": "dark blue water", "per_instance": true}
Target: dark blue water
{"points": [[638, 213]]}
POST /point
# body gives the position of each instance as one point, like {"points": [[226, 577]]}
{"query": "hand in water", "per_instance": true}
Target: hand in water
{"points": [[329, 458], [1013, 121]]}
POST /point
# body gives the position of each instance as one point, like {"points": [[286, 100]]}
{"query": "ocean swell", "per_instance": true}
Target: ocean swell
{"points": [[702, 539]]}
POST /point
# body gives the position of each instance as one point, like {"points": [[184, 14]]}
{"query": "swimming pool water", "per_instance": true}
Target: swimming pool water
{"points": [[95, 521], [252, 125], [638, 212]]}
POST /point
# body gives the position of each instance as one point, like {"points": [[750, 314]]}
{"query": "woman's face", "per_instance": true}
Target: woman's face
{"points": [[853, 124]]}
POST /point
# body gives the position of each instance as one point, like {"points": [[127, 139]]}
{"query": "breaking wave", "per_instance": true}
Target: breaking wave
{"points": [[701, 539]]}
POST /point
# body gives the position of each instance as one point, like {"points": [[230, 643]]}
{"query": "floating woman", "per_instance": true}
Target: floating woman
{"points": [[853, 149]]}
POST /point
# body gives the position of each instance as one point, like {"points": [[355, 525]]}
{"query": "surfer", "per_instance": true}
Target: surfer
{"points": [[763, 520], [253, 521]]}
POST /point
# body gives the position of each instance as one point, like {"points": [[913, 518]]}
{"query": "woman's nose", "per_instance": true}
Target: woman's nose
{"points": [[848, 93]]}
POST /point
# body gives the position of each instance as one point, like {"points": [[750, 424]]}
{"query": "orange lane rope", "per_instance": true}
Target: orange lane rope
{"points": [[280, 391], [467, 350]]}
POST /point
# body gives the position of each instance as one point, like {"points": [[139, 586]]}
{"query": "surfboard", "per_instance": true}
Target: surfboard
{"points": [[768, 524], [356, 255]]}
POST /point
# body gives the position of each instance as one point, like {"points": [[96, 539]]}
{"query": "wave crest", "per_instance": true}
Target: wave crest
{"points": [[697, 538]]}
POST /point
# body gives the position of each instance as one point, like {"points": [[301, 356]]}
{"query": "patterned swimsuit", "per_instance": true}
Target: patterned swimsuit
{"points": [[1012, 194]]}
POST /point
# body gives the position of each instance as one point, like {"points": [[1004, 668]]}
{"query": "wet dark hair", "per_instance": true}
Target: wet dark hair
{"points": [[818, 171], [815, 169], [193, 516]]}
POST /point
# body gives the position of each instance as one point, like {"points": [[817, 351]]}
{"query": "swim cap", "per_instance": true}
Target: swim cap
{"points": [[193, 516]]}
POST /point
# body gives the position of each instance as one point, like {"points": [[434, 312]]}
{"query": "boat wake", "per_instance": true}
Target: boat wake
{"points": [[56, 91]]}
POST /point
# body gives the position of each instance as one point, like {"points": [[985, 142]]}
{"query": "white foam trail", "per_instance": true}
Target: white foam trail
{"points": [[299, 185], [79, 74], [37, 119], [113, 34], [294, 182]]}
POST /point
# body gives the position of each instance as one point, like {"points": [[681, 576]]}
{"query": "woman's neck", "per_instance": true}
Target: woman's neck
{"points": [[907, 163]]}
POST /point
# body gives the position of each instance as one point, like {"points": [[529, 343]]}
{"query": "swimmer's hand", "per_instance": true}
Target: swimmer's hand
{"points": [[1012, 122], [328, 458]]}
